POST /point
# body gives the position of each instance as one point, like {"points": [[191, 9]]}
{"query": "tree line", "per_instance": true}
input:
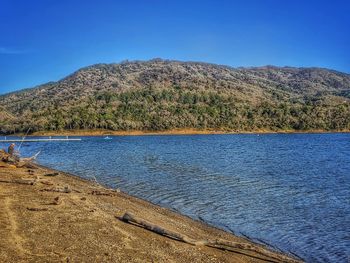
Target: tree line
{"points": [[151, 109]]}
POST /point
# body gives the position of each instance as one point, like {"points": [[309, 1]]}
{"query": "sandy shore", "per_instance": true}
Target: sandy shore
{"points": [[64, 218], [169, 132]]}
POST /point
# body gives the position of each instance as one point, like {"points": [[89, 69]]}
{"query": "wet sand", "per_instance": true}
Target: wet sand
{"points": [[64, 218]]}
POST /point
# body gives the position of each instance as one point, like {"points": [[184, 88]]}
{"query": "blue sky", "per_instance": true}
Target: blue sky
{"points": [[45, 40]]}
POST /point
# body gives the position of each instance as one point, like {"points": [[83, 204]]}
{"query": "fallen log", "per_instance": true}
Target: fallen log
{"points": [[56, 201], [129, 218], [18, 181], [28, 165], [97, 192], [37, 209], [51, 174], [218, 244], [65, 189], [46, 182], [29, 159]]}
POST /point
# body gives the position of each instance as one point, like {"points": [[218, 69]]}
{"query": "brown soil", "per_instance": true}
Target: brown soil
{"points": [[80, 224]]}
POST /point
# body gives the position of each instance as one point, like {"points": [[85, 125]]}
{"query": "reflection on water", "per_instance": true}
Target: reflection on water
{"points": [[289, 190]]}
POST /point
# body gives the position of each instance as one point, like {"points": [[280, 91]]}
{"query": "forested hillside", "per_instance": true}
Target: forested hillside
{"points": [[160, 95]]}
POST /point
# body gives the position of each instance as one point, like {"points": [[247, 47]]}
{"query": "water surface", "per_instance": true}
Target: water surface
{"points": [[288, 190]]}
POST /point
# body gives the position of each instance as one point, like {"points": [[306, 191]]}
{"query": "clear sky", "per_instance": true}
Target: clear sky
{"points": [[45, 40]]}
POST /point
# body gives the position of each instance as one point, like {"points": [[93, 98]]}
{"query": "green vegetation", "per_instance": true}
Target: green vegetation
{"points": [[163, 95], [163, 109]]}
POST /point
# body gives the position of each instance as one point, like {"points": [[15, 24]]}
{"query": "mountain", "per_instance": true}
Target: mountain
{"points": [[162, 94], [5, 117]]}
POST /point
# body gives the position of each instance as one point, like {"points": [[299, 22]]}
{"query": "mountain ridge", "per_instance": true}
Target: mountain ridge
{"points": [[179, 61], [186, 90]]}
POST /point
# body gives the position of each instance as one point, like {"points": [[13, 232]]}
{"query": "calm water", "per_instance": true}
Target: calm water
{"points": [[291, 191]]}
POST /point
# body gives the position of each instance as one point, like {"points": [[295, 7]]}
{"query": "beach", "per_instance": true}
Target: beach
{"points": [[51, 216]]}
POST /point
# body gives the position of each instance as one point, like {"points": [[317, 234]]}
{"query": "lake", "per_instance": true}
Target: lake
{"points": [[291, 191]]}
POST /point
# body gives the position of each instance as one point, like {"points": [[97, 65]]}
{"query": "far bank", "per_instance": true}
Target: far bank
{"points": [[169, 132]]}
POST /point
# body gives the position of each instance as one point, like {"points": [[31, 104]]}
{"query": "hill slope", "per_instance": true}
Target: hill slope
{"points": [[161, 94]]}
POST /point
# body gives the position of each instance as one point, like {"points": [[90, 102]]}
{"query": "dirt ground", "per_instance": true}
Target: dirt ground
{"points": [[62, 218]]}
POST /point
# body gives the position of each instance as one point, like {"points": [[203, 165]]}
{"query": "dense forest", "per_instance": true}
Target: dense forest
{"points": [[160, 95]]}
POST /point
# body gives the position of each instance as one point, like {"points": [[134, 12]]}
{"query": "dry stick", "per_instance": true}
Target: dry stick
{"points": [[51, 174], [219, 244], [23, 139], [37, 209], [29, 165], [97, 192]]}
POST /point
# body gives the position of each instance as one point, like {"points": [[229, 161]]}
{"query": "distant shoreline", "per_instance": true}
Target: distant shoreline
{"points": [[171, 132]]}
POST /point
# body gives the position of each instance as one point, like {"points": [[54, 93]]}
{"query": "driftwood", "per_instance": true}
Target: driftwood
{"points": [[46, 182], [8, 158], [219, 244], [29, 165], [18, 181], [37, 209], [98, 192], [29, 159], [51, 174], [65, 189], [13, 158], [56, 201]]}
